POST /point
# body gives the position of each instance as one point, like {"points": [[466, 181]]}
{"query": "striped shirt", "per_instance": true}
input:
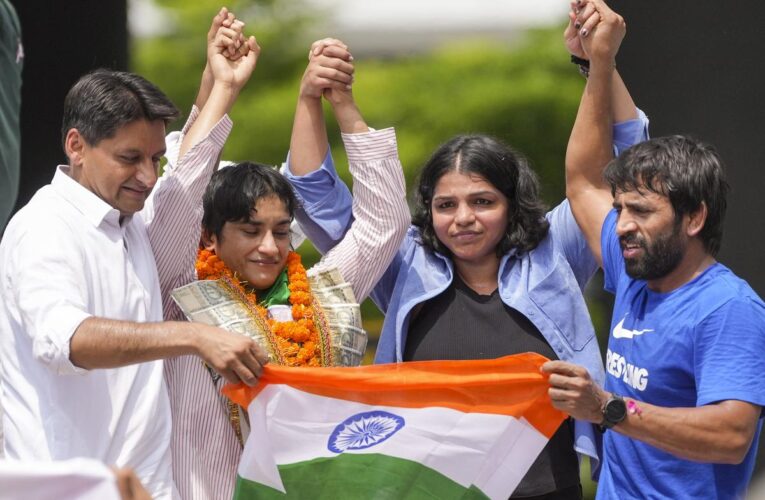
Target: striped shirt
{"points": [[205, 449]]}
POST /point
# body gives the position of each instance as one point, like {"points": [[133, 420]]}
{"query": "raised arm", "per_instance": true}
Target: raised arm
{"points": [[228, 20], [231, 59], [380, 212], [324, 214], [597, 32], [174, 213]]}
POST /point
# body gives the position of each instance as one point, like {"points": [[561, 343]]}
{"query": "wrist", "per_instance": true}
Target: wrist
{"points": [[582, 64], [350, 120], [602, 62], [189, 336], [308, 97], [614, 411], [224, 93]]}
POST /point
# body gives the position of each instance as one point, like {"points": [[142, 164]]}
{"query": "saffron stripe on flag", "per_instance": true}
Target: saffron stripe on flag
{"points": [[508, 386]]}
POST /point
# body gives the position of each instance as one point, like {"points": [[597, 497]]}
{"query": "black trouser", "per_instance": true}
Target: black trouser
{"points": [[570, 493]]}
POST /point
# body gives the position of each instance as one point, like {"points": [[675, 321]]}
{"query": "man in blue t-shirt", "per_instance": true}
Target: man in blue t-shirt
{"points": [[682, 397]]}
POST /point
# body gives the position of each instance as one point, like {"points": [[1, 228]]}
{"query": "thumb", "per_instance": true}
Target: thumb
{"points": [[216, 24]]}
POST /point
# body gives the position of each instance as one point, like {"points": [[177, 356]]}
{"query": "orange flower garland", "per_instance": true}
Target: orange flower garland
{"points": [[297, 341]]}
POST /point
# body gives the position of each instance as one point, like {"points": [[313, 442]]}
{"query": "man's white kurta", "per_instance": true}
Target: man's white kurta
{"points": [[65, 257]]}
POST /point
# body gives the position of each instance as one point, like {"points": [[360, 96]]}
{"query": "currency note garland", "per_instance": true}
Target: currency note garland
{"points": [[304, 341]]}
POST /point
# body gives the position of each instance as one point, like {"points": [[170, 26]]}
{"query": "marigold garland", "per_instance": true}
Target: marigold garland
{"points": [[298, 340]]}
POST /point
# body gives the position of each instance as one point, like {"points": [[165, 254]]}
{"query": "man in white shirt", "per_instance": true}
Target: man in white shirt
{"points": [[81, 331]]}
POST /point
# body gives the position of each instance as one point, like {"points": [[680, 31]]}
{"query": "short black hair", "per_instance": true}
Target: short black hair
{"points": [[682, 168], [501, 166], [234, 191], [104, 100]]}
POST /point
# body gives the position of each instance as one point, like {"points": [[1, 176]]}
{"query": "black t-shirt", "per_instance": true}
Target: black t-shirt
{"points": [[461, 324]]}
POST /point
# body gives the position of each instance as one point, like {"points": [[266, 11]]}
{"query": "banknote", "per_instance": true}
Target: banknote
{"points": [[338, 294], [345, 356], [349, 337], [326, 278], [246, 327], [207, 302], [348, 314], [220, 314], [200, 295]]}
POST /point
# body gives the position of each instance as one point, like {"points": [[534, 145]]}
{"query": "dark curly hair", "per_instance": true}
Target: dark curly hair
{"points": [[687, 171], [501, 166]]}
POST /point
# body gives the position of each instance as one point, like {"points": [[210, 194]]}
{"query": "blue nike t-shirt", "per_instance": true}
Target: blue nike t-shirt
{"points": [[699, 344]]}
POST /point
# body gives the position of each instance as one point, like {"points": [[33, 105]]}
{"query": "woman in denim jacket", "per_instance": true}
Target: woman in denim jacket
{"points": [[483, 272]]}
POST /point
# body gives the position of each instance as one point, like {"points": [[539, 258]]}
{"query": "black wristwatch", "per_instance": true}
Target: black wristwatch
{"points": [[614, 411]]}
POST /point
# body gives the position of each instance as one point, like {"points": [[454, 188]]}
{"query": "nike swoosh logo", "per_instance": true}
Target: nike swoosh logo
{"points": [[622, 333]]}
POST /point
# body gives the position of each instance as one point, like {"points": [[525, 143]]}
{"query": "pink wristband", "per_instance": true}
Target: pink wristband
{"points": [[633, 408]]}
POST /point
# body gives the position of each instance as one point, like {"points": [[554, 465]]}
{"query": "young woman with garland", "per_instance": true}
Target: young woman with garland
{"points": [[246, 245]]}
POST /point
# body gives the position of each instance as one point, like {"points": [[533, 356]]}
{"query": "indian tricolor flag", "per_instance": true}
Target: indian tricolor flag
{"points": [[433, 429]]}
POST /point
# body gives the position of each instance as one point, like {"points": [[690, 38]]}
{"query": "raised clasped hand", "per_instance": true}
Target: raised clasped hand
{"points": [[594, 30], [329, 72], [231, 55]]}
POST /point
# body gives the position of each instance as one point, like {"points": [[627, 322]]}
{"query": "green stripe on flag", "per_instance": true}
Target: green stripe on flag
{"points": [[359, 476]]}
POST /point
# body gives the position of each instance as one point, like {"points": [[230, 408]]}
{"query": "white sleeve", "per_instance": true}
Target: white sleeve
{"points": [[49, 289]]}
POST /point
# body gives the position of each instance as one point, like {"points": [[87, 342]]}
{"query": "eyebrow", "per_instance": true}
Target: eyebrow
{"points": [[254, 222], [631, 204], [140, 152], [470, 195]]}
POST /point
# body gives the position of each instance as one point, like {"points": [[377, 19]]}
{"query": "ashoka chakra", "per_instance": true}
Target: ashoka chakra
{"points": [[364, 430]]}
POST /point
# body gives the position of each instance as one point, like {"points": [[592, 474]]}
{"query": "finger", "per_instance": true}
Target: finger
{"points": [[260, 355], [237, 25], [601, 7], [337, 52], [226, 44], [320, 46], [562, 368], [570, 31], [585, 13], [590, 25], [228, 33], [230, 376], [324, 42], [334, 75], [576, 383], [243, 49], [254, 48], [562, 400], [248, 369], [216, 24], [335, 85], [254, 45], [229, 20], [323, 62], [563, 396], [228, 41], [322, 84]]}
